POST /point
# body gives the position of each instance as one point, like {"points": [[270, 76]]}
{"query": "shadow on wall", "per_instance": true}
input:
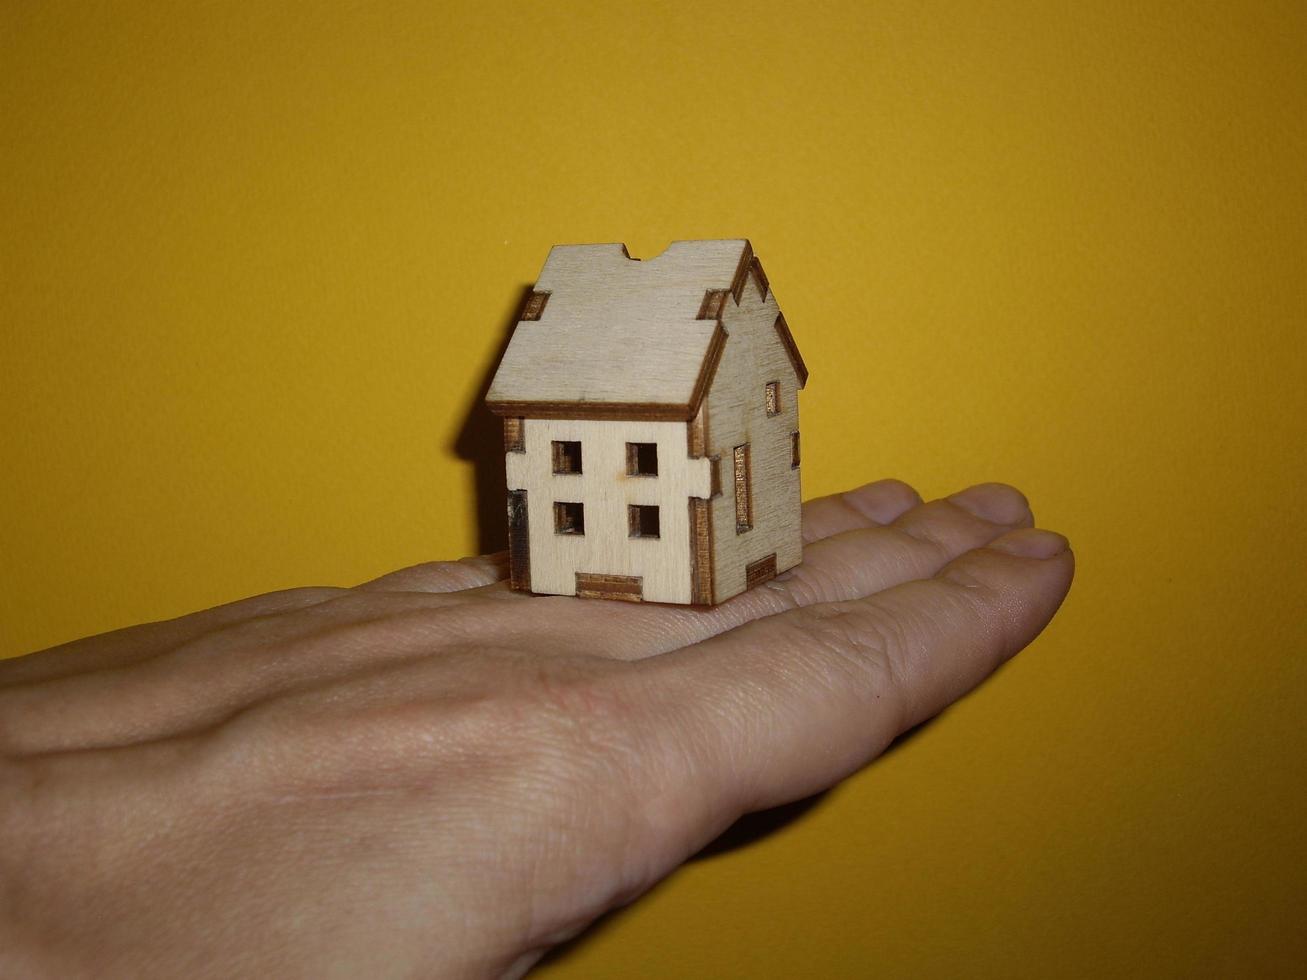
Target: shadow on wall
{"points": [[480, 441], [745, 832]]}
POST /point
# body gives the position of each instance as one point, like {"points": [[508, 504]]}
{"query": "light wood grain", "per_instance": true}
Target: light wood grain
{"points": [[736, 407], [617, 330], [606, 491]]}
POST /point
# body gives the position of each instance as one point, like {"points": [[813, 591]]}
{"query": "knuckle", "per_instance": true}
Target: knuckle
{"points": [[906, 492], [924, 533]]}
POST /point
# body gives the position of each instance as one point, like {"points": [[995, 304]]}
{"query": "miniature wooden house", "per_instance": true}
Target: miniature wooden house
{"points": [[651, 426]]}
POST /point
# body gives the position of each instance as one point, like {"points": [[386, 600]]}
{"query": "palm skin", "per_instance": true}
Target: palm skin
{"points": [[432, 775]]}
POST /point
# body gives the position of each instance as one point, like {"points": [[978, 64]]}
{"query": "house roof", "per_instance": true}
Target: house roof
{"points": [[605, 336]]}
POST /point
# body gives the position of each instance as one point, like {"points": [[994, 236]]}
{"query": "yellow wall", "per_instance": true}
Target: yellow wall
{"points": [[256, 259]]}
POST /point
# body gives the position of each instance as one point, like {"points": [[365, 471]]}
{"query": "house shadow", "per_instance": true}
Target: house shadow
{"points": [[749, 829], [480, 441]]}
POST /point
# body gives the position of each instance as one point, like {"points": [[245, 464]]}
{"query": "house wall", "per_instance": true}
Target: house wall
{"points": [[737, 414], [606, 490]]}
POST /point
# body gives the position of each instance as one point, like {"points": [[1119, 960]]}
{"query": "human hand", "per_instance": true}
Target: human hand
{"points": [[433, 775]]}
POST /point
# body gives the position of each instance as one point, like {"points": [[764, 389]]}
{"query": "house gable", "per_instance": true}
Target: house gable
{"points": [[750, 421]]}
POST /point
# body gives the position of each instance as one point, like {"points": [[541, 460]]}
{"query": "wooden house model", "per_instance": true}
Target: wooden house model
{"points": [[651, 426]]}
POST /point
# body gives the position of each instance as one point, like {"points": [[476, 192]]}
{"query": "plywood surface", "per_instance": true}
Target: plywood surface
{"points": [[616, 329], [606, 491], [737, 415]]}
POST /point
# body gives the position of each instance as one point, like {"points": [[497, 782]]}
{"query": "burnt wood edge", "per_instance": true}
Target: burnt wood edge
{"points": [[701, 552], [708, 369], [514, 434], [696, 432], [791, 349], [628, 588], [624, 411], [533, 306], [759, 278], [595, 411], [696, 435], [519, 542], [713, 305], [742, 271], [762, 570]]}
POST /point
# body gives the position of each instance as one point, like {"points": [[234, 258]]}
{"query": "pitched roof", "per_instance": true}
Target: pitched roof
{"points": [[607, 336]]}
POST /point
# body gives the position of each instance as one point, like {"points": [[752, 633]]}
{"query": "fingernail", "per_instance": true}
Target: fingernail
{"points": [[1031, 542], [994, 502]]}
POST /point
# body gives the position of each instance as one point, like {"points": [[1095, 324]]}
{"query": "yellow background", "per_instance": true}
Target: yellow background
{"points": [[257, 259]]}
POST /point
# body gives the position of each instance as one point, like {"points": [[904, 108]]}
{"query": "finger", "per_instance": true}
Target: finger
{"points": [[135, 644], [786, 706], [847, 565], [214, 675], [192, 687], [870, 505], [444, 576], [867, 506]]}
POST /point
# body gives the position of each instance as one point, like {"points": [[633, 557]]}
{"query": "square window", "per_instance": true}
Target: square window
{"points": [[642, 459], [569, 518], [567, 457], [643, 520], [773, 398]]}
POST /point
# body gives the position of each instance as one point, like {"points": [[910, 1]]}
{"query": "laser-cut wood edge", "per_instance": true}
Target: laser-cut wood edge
{"points": [[595, 411], [634, 467], [696, 433], [713, 305], [519, 542], [762, 570], [701, 553], [569, 518], [742, 271], [708, 369], [791, 349], [742, 481], [759, 278], [514, 434], [627, 588], [564, 460], [714, 300], [533, 307], [635, 521]]}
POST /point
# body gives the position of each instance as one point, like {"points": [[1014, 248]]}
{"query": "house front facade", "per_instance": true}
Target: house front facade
{"points": [[606, 506], [651, 426]]}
